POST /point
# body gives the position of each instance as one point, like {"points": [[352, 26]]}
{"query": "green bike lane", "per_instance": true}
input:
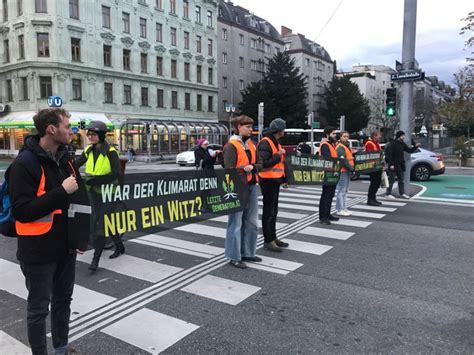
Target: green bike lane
{"points": [[449, 187]]}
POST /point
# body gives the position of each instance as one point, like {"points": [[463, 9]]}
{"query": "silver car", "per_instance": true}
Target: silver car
{"points": [[425, 163]]}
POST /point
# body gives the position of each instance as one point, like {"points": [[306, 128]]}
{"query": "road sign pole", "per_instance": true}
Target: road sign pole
{"points": [[311, 115], [261, 114], [406, 92], [342, 123]]}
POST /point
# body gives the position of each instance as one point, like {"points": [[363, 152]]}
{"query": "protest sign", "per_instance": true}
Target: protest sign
{"points": [[307, 169], [366, 163]]}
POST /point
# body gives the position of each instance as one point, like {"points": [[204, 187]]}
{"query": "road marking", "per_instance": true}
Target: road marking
{"points": [[387, 202], [84, 300], [294, 207], [150, 331], [132, 266], [11, 346], [351, 223], [202, 229], [281, 266], [326, 233], [225, 218], [374, 208], [179, 245], [306, 247], [222, 290], [288, 215], [367, 214]]}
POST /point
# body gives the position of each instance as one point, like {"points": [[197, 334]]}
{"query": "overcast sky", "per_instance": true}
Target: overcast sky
{"points": [[370, 31]]}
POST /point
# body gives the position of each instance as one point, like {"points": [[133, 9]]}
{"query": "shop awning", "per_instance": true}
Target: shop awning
{"points": [[24, 119]]}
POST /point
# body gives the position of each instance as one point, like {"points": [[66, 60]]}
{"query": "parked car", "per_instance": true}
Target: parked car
{"points": [[187, 157], [315, 146]]}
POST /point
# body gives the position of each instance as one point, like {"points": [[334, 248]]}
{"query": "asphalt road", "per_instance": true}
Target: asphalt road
{"points": [[398, 279]]}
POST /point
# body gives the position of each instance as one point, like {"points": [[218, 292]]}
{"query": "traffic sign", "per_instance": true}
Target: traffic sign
{"points": [[407, 76], [316, 125], [55, 101]]}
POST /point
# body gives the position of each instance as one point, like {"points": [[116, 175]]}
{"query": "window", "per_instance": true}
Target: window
{"points": [[108, 93], [224, 34], [241, 62], [199, 102], [241, 85], [210, 103], [224, 82], [209, 18], [126, 59], [210, 76], [159, 4], [159, 98], [209, 46], [144, 96], [224, 105], [185, 8], [46, 87], [75, 49], [173, 36], [187, 101], [253, 65], [19, 7], [198, 44], [173, 7], [142, 27], [125, 22], [174, 69], [106, 16], [268, 48], [198, 14], [253, 43], [6, 48], [159, 65], [76, 89], [40, 6], [74, 9], [159, 32], [186, 71], [307, 62], [142, 2], [224, 58], [5, 10], [186, 40], [107, 56], [127, 94], [174, 99], [144, 62], [241, 40], [199, 73], [24, 88], [43, 44], [9, 90]]}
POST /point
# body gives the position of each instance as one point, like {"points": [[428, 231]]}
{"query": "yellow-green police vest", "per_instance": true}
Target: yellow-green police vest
{"points": [[102, 165]]}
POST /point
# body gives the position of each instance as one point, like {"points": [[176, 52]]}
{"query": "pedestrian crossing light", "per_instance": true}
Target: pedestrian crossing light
{"points": [[391, 102], [390, 111]]}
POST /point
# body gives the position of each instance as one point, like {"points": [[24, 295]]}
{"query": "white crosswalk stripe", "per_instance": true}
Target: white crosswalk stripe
{"points": [[11, 346], [351, 223], [367, 214], [326, 233], [374, 208], [306, 247]]}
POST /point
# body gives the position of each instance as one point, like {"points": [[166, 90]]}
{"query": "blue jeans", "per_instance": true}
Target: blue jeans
{"points": [[341, 190], [242, 229]]}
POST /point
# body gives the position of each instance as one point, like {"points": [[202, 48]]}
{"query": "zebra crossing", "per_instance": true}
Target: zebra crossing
{"points": [[202, 245]]}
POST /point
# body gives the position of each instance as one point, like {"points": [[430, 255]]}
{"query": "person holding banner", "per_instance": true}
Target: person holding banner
{"points": [[242, 227], [373, 145], [345, 154], [102, 166], [204, 157], [271, 156], [327, 150]]}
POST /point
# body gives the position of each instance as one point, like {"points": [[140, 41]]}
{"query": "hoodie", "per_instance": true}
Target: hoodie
{"points": [[24, 177]]}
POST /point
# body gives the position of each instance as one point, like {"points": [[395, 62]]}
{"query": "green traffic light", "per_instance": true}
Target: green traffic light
{"points": [[390, 111]]}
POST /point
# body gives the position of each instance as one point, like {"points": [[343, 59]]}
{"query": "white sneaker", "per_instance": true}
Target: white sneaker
{"points": [[405, 196], [342, 213], [348, 213], [390, 196]]}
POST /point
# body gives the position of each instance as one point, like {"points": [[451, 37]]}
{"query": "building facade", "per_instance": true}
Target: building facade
{"points": [[245, 43], [132, 61], [314, 62]]}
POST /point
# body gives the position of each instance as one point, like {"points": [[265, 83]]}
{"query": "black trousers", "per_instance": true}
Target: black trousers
{"points": [[326, 201], [375, 181], [270, 191], [49, 283], [400, 175]]}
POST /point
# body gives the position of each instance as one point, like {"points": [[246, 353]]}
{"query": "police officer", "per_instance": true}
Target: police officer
{"points": [[102, 167]]}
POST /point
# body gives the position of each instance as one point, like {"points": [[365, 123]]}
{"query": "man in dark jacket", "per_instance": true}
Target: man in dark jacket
{"points": [[270, 155], [204, 157], [47, 258], [394, 156]]}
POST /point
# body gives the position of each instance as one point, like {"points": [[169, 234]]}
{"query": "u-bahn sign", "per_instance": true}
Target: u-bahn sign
{"points": [[408, 76], [55, 101]]}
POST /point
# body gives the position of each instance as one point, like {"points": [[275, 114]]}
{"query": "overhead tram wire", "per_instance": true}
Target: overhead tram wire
{"points": [[329, 20]]}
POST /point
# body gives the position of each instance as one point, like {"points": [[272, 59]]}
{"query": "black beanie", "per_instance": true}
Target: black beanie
{"points": [[399, 134]]}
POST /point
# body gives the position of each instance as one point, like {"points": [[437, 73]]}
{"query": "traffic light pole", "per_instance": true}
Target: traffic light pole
{"points": [[406, 92]]}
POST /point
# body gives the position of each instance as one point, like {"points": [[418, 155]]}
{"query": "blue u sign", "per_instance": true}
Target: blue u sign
{"points": [[55, 101]]}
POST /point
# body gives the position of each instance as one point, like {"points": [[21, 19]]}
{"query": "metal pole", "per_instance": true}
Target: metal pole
{"points": [[406, 92], [312, 132]]}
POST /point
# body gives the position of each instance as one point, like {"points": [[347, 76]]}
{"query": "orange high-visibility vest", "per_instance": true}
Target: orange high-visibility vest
{"points": [[349, 156], [370, 146], [43, 225], [332, 150], [277, 171], [242, 158]]}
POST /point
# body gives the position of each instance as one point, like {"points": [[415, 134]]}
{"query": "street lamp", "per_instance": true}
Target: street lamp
{"points": [[230, 108]]}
